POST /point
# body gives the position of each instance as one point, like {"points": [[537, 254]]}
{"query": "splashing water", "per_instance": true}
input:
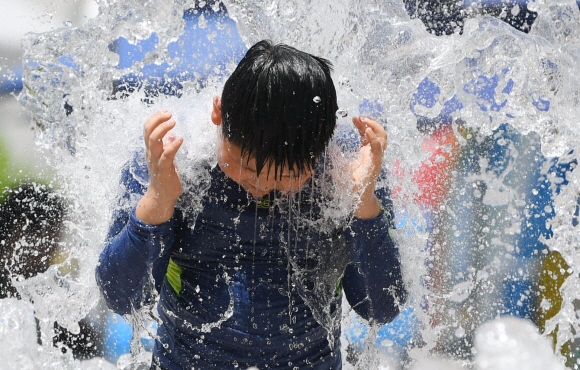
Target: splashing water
{"points": [[449, 102]]}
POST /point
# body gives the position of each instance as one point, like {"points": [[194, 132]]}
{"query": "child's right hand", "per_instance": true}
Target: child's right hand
{"points": [[157, 205]]}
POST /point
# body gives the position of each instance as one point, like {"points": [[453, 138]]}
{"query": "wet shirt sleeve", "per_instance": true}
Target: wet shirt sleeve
{"points": [[134, 260], [373, 282]]}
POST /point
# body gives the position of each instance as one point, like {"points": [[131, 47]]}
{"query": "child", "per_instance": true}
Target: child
{"points": [[256, 278]]}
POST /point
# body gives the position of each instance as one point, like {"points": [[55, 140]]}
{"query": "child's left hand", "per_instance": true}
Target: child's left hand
{"points": [[367, 168]]}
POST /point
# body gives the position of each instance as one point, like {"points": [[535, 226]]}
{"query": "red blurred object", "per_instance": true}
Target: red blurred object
{"points": [[433, 177]]}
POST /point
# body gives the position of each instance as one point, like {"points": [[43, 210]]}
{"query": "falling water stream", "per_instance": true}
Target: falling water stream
{"points": [[479, 123]]}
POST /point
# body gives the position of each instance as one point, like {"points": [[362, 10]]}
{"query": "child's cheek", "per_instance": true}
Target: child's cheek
{"points": [[299, 182], [229, 171]]}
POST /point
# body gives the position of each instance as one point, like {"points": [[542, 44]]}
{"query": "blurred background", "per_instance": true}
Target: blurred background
{"points": [[18, 17]]}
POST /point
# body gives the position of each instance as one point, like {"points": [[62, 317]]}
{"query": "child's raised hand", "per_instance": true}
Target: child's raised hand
{"points": [[367, 168], [157, 205]]}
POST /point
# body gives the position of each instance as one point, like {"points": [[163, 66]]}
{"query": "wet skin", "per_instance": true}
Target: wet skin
{"points": [[243, 171], [158, 203]]}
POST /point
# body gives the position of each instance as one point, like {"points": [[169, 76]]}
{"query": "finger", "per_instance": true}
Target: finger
{"points": [[378, 130], [360, 125], [156, 138], [169, 153], [376, 146], [169, 138], [363, 122], [377, 127], [155, 120]]}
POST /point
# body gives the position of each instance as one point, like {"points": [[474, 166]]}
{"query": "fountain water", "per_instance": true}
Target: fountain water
{"points": [[468, 114]]}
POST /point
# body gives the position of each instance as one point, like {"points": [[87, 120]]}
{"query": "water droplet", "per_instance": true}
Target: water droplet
{"points": [[202, 22], [316, 99], [342, 112], [67, 23]]}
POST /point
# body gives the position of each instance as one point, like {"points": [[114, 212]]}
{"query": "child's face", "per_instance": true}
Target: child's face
{"points": [[243, 172]]}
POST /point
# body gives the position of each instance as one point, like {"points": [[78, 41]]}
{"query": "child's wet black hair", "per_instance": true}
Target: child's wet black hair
{"points": [[279, 106]]}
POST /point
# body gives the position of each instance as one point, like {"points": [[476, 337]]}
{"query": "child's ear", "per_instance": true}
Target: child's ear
{"points": [[216, 113]]}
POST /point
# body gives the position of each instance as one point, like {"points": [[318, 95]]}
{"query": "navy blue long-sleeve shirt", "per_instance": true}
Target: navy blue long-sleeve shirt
{"points": [[249, 283]]}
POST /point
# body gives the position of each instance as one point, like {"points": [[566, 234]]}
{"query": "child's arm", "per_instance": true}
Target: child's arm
{"points": [[367, 168], [373, 284], [133, 263], [157, 205], [137, 250]]}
